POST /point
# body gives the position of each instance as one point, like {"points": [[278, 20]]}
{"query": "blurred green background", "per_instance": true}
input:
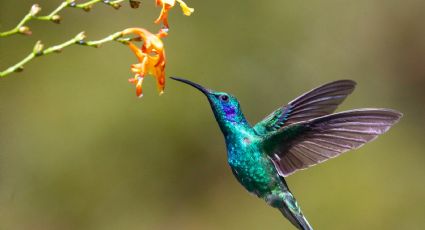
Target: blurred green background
{"points": [[78, 149]]}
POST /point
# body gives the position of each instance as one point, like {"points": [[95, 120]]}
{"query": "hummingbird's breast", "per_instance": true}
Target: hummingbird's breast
{"points": [[250, 165]]}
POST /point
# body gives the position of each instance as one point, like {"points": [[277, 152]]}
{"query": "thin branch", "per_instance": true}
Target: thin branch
{"points": [[21, 28], [39, 51]]}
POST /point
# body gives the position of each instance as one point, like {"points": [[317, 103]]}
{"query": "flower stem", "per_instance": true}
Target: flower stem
{"points": [[20, 28], [113, 37], [38, 50]]}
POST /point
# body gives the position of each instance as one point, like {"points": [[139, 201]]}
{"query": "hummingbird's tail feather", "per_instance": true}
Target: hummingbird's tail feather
{"points": [[297, 219], [288, 206]]}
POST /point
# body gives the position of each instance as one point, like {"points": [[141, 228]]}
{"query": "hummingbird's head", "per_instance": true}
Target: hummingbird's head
{"points": [[225, 106]]}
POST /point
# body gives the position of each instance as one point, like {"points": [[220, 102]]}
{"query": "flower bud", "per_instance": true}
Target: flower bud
{"points": [[19, 69], [80, 36], [134, 4], [56, 19], [35, 9], [115, 5], [25, 30], [38, 48], [87, 8]]}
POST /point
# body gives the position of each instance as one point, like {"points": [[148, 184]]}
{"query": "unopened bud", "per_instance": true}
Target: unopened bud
{"points": [[56, 19], [35, 9], [19, 69], [134, 4], [38, 48], [80, 36], [25, 30], [87, 8], [115, 5]]}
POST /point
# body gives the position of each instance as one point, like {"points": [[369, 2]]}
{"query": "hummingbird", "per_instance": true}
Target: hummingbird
{"points": [[296, 136]]}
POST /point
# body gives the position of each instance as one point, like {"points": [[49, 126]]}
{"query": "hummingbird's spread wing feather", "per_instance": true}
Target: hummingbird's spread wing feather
{"points": [[308, 143], [318, 102]]}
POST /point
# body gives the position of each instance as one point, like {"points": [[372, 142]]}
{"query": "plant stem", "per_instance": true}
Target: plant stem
{"points": [[53, 16], [78, 40]]}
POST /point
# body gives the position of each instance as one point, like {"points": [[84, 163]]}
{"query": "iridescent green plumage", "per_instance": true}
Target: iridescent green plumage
{"points": [[291, 138]]}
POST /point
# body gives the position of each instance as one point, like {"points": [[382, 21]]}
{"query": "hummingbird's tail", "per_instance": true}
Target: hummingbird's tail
{"points": [[288, 206]]}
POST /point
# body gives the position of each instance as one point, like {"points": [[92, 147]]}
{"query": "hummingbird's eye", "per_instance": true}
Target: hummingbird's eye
{"points": [[224, 98]]}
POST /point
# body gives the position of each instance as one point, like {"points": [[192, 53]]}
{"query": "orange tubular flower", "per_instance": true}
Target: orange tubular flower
{"points": [[167, 5], [151, 58]]}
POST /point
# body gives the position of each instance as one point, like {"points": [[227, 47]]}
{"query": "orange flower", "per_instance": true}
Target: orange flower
{"points": [[167, 5], [151, 58]]}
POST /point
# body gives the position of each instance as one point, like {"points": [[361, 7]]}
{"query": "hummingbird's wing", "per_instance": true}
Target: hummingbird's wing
{"points": [[308, 143], [317, 102]]}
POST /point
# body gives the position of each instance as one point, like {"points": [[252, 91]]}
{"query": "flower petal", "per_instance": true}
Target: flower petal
{"points": [[139, 91], [186, 10], [151, 57]]}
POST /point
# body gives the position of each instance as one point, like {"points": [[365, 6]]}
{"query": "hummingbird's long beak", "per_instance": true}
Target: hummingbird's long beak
{"points": [[197, 86]]}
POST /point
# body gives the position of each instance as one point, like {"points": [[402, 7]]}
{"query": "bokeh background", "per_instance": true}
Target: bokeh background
{"points": [[78, 149]]}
